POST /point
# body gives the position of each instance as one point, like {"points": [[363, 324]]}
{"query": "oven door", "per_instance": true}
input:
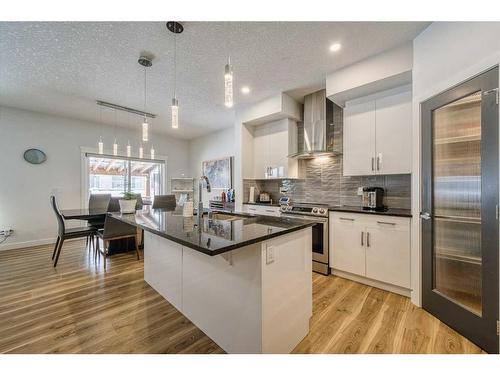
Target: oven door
{"points": [[319, 236]]}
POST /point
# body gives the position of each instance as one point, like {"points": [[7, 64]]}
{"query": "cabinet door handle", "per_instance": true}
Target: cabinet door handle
{"points": [[378, 162], [373, 159], [346, 218], [269, 210], [367, 239], [362, 235], [385, 222]]}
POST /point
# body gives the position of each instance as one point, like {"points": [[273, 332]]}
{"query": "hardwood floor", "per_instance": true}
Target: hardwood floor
{"points": [[79, 308]]}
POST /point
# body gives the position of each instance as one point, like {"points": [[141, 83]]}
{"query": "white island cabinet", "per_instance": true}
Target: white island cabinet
{"points": [[254, 299]]}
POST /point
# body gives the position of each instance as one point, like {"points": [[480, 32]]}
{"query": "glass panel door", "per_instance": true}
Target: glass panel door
{"points": [[459, 218], [107, 176], [145, 179], [457, 201]]}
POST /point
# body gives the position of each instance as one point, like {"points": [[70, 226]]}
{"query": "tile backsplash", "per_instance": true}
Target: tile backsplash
{"points": [[324, 183]]}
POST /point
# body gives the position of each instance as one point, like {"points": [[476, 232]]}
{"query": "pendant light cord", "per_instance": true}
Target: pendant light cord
{"points": [[175, 61], [145, 92]]}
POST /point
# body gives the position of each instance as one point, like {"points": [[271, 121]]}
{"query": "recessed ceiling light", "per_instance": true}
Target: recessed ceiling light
{"points": [[245, 90], [335, 47]]}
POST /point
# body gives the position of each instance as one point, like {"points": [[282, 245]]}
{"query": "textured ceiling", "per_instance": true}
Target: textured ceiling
{"points": [[62, 68]]}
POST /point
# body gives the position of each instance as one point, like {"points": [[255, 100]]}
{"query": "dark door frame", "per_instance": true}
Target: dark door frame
{"points": [[481, 330]]}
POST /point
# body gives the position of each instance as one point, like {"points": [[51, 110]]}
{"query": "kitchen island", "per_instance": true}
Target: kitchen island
{"points": [[244, 280]]}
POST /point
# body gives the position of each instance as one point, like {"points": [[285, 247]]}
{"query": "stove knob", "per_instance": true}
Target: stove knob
{"points": [[322, 211], [289, 208], [315, 210]]}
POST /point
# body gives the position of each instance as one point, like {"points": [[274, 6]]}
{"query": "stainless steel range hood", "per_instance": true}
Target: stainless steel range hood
{"points": [[316, 134]]}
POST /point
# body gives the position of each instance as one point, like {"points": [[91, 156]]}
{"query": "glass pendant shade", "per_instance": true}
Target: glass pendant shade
{"points": [[141, 152], [228, 86], [100, 146], [129, 150], [152, 152], [175, 113], [115, 148], [145, 130]]}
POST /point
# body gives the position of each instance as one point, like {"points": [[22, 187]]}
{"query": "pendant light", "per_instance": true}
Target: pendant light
{"points": [[129, 150], [176, 28], [146, 62], [152, 150], [228, 79], [115, 144], [100, 144], [129, 147], [228, 84]]}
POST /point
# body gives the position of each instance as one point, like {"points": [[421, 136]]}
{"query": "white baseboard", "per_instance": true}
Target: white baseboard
{"points": [[19, 245], [377, 284]]}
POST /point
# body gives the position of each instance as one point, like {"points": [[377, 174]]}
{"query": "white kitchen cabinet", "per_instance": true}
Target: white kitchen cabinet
{"points": [[375, 247], [271, 146], [347, 249], [256, 209], [388, 251], [359, 136], [377, 134], [393, 116]]}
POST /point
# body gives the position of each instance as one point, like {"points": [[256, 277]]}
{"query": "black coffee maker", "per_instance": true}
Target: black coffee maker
{"points": [[373, 198]]}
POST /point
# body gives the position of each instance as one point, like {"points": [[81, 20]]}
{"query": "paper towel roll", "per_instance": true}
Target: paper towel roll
{"points": [[251, 198]]}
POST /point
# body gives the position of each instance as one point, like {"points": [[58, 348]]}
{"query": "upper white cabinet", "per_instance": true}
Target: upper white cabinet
{"points": [[271, 147], [393, 118], [359, 139], [377, 134]]}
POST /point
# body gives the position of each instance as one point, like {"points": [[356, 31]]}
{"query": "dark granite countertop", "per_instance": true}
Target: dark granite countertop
{"points": [[401, 212], [264, 204], [215, 236]]}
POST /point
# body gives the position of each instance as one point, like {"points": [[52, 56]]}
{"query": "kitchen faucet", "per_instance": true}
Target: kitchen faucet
{"points": [[200, 195]]}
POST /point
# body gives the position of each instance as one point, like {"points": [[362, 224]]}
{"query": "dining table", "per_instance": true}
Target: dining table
{"points": [[84, 213]]}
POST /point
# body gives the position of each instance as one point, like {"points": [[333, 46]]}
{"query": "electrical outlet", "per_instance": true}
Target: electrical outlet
{"points": [[360, 190], [6, 232], [270, 254]]}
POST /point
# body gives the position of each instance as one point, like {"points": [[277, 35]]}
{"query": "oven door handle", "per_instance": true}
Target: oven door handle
{"points": [[304, 217]]}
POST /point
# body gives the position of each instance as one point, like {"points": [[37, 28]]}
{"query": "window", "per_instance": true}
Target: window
{"points": [[116, 175]]}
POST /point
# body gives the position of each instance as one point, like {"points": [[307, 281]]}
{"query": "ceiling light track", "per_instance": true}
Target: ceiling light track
{"points": [[125, 109]]}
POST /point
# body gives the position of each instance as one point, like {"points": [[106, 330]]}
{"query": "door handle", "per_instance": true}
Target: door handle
{"points": [[367, 239], [362, 235], [378, 162], [346, 218], [385, 222], [373, 160], [425, 215]]}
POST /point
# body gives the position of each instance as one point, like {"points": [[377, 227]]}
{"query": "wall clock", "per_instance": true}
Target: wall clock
{"points": [[34, 156]]}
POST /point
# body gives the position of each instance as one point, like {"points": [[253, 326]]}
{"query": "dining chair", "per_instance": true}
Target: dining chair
{"points": [[114, 205], [139, 203], [164, 201], [68, 233], [98, 202], [114, 230]]}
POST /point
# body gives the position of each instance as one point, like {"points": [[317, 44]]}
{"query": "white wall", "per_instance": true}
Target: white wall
{"points": [[25, 188], [444, 55], [381, 72], [212, 146]]}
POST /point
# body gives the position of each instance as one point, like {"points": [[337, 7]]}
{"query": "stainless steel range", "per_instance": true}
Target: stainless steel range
{"points": [[319, 213]]}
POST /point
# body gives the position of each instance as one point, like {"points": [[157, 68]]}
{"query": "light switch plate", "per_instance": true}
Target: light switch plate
{"points": [[360, 190], [270, 254]]}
